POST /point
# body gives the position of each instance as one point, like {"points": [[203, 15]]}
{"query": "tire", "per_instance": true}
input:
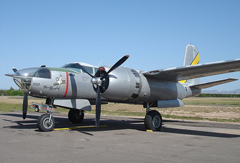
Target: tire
{"points": [[153, 120], [36, 108], [43, 123], [75, 116]]}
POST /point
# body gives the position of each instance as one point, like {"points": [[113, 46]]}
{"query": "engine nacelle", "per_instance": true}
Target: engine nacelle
{"points": [[130, 85], [124, 84]]}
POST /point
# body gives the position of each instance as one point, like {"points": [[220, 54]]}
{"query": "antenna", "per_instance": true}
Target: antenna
{"points": [[99, 63]]}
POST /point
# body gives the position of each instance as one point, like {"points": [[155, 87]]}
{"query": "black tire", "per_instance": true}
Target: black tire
{"points": [[43, 123], [36, 108], [75, 116], [153, 120]]}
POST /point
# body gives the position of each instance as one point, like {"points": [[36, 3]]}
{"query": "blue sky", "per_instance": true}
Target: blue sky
{"points": [[153, 33]]}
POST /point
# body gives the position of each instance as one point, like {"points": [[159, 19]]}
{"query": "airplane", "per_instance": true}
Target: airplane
{"points": [[75, 86]]}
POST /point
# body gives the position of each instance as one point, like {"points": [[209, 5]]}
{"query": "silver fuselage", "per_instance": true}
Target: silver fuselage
{"points": [[125, 85]]}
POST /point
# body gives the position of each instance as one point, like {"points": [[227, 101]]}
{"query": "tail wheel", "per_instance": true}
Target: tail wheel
{"points": [[75, 116], [153, 120], [44, 124]]}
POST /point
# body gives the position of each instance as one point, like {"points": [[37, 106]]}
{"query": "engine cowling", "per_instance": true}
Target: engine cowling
{"points": [[124, 84]]}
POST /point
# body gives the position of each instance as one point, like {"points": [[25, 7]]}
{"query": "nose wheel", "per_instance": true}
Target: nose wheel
{"points": [[46, 122]]}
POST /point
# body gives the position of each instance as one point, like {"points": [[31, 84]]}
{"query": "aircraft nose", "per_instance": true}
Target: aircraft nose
{"points": [[23, 83], [23, 77]]}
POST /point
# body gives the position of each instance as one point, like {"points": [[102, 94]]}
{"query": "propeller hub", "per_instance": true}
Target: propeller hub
{"points": [[96, 81]]}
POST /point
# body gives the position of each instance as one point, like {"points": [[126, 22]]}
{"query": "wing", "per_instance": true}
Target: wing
{"points": [[195, 71], [211, 84]]}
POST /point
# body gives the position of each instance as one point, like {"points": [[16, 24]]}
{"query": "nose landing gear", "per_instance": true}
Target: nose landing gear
{"points": [[46, 122]]}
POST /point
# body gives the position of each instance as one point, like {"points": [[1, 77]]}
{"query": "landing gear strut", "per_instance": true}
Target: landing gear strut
{"points": [[153, 120], [46, 122]]}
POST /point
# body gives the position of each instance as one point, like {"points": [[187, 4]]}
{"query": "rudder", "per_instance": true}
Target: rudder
{"points": [[191, 58]]}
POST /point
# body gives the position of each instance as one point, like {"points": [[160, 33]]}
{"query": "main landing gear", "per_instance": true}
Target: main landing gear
{"points": [[153, 119], [75, 116]]}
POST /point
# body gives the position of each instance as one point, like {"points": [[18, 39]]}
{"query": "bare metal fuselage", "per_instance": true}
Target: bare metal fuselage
{"points": [[125, 85]]}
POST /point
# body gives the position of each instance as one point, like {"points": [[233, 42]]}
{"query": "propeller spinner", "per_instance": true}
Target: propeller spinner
{"points": [[97, 81]]}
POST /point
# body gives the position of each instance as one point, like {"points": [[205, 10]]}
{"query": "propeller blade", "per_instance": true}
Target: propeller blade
{"points": [[86, 71], [25, 105], [98, 82], [98, 107], [121, 61]]}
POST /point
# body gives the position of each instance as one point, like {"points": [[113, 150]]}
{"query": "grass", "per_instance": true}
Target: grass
{"points": [[212, 101], [202, 108], [5, 107], [119, 113]]}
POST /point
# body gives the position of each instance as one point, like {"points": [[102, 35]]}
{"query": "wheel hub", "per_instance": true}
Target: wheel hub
{"points": [[156, 121], [47, 124]]}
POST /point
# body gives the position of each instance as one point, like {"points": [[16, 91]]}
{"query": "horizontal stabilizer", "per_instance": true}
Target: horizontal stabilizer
{"points": [[211, 84], [194, 71]]}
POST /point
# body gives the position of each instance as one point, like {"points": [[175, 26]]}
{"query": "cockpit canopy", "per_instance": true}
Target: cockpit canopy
{"points": [[23, 78], [42, 72], [76, 67]]}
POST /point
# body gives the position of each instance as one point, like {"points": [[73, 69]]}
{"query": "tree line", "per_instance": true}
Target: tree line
{"points": [[218, 95], [11, 92]]}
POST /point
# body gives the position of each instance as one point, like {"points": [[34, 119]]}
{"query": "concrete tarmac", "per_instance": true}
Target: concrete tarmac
{"points": [[123, 140]]}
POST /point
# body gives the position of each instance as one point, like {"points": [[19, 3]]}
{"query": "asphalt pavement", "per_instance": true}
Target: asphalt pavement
{"points": [[123, 140]]}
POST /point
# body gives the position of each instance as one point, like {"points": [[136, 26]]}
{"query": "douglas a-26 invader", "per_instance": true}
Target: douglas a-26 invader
{"points": [[76, 86]]}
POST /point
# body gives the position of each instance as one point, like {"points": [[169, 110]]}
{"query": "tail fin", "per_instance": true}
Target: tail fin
{"points": [[191, 55], [191, 58]]}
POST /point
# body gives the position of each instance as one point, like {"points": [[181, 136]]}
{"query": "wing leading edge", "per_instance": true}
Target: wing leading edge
{"points": [[194, 71]]}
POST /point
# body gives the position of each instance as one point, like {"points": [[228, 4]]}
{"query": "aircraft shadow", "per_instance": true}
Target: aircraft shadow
{"points": [[112, 124], [198, 133]]}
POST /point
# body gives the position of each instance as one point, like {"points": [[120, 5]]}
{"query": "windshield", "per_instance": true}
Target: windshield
{"points": [[43, 73]]}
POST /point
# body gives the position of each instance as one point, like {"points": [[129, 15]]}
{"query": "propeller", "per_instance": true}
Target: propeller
{"points": [[25, 97], [25, 105], [97, 81]]}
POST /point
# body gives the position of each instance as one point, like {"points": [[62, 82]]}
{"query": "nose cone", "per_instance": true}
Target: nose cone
{"points": [[23, 77], [23, 83]]}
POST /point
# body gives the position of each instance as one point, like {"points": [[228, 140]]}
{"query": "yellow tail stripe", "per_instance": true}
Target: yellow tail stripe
{"points": [[183, 81], [194, 62]]}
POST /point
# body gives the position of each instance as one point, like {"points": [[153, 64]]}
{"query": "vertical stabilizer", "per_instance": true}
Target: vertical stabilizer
{"points": [[191, 58]]}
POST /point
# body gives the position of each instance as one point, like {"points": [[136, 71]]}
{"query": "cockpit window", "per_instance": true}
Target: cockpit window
{"points": [[89, 69], [27, 72], [77, 67], [43, 73]]}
